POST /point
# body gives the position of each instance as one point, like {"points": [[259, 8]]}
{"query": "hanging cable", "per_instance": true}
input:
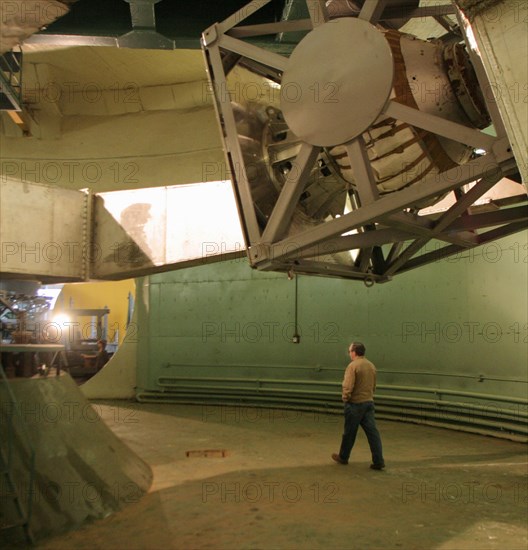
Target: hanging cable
{"points": [[296, 335]]}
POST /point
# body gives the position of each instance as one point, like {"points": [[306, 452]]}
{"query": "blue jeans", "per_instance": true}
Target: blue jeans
{"points": [[361, 414]]}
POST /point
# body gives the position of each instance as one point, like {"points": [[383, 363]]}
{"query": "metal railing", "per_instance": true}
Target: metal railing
{"points": [[11, 81], [483, 413]]}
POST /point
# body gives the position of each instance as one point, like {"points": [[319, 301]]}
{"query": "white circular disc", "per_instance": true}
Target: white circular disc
{"points": [[337, 82]]}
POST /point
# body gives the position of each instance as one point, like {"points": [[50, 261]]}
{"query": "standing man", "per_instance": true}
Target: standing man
{"points": [[358, 395]]}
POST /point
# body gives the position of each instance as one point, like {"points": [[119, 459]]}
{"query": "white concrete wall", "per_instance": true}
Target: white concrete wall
{"points": [[501, 33]]}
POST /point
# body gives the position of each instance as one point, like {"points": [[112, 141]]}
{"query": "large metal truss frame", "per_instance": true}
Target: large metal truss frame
{"points": [[376, 220]]}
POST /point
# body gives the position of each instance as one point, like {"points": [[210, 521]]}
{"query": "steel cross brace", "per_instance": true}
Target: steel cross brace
{"points": [[376, 220]]}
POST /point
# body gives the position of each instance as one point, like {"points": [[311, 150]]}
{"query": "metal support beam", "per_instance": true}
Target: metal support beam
{"points": [[489, 219], [372, 239], [416, 13], [364, 258], [253, 52], [328, 269], [452, 29], [235, 159], [439, 126], [431, 186], [372, 10], [419, 226], [445, 221], [240, 15], [363, 176], [318, 12], [280, 218], [378, 260], [464, 202], [270, 28], [394, 252], [454, 249]]}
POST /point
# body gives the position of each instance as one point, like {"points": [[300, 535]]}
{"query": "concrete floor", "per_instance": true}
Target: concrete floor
{"points": [[278, 487]]}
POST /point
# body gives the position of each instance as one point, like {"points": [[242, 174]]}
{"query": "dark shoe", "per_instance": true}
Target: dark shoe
{"points": [[377, 466], [339, 460]]}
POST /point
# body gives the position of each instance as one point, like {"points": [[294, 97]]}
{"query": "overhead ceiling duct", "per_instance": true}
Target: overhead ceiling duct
{"points": [[326, 147], [144, 34]]}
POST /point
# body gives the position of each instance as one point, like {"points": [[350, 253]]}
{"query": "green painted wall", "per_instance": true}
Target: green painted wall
{"points": [[443, 326]]}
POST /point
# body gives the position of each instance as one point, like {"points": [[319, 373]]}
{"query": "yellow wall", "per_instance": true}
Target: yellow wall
{"points": [[113, 294]]}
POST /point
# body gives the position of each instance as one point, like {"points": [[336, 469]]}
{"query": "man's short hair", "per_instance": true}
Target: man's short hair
{"points": [[358, 347]]}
